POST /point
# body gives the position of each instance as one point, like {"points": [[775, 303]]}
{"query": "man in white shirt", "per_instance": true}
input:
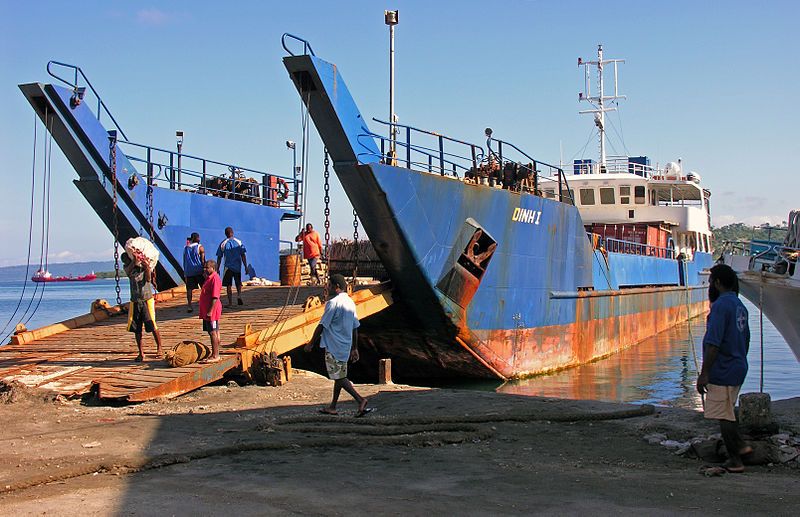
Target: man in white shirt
{"points": [[337, 334]]}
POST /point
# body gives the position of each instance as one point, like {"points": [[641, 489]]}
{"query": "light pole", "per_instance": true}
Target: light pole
{"points": [[392, 18], [179, 138], [291, 145]]}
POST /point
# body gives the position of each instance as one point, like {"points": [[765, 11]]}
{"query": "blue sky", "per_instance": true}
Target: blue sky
{"points": [[710, 82]]}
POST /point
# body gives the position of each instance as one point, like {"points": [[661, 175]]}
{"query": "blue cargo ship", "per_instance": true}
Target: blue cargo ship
{"points": [[504, 266], [164, 195]]}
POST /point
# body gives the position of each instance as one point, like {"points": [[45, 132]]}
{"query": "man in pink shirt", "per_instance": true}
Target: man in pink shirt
{"points": [[210, 307]]}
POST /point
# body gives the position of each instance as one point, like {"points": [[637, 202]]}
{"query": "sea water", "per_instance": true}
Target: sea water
{"points": [[661, 370], [42, 304]]}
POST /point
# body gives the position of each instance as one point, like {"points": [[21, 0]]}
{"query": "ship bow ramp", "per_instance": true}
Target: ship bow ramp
{"points": [[184, 199]]}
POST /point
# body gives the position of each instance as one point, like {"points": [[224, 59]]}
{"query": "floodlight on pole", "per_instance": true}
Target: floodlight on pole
{"points": [[392, 18], [179, 139]]}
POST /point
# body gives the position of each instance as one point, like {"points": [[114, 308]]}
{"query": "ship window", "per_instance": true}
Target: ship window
{"points": [[607, 196], [587, 196], [638, 195], [549, 193], [625, 195]]}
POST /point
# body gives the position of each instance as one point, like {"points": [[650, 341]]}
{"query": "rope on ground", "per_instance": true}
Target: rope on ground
{"points": [[561, 416], [343, 432]]}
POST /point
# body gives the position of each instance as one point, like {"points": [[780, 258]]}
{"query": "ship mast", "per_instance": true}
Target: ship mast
{"points": [[598, 102]]}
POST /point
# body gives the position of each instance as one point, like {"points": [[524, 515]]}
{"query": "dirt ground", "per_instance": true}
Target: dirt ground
{"points": [[266, 451]]}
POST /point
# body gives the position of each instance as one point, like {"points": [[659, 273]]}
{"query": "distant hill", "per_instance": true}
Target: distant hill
{"points": [[17, 273], [743, 232]]}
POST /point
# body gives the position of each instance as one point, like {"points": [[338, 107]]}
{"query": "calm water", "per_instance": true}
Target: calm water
{"points": [[660, 370], [59, 301]]}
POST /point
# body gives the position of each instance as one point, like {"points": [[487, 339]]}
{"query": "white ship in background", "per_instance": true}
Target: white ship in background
{"points": [[769, 277]]}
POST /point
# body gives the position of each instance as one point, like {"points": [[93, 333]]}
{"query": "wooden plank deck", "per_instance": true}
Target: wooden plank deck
{"points": [[101, 352]]}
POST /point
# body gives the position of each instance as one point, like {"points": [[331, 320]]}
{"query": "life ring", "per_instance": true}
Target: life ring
{"points": [[282, 193]]}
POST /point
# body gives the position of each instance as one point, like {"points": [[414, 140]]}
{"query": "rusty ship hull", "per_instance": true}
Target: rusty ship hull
{"points": [[488, 282]]}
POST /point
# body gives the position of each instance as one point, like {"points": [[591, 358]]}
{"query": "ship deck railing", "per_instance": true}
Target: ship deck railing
{"points": [[469, 162], [178, 171], [637, 248], [170, 169], [617, 165], [79, 92], [434, 154]]}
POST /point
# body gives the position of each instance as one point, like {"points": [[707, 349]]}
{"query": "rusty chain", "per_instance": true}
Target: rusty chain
{"points": [[327, 210], [112, 144], [355, 246]]}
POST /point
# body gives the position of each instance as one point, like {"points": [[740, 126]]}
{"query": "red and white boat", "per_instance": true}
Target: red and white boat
{"points": [[45, 276]]}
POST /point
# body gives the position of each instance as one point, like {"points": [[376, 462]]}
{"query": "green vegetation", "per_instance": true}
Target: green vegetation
{"points": [[743, 232], [109, 274]]}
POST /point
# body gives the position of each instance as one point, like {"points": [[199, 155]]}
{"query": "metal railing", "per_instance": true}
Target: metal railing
{"points": [[79, 92], [306, 45], [431, 157], [637, 248], [776, 258], [178, 171], [618, 165], [535, 179]]}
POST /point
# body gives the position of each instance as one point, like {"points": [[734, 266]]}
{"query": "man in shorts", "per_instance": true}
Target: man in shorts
{"points": [[725, 347], [233, 251], [194, 256], [142, 308], [337, 334], [211, 307], [312, 249]]}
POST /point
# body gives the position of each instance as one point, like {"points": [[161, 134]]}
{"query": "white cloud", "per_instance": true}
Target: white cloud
{"points": [[152, 16]]}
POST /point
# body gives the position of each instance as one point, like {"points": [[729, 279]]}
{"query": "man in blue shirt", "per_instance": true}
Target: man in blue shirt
{"points": [[194, 256], [725, 347], [233, 251], [337, 334]]}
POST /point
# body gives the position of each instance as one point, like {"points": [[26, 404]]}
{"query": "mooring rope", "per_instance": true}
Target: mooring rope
{"points": [[342, 432]]}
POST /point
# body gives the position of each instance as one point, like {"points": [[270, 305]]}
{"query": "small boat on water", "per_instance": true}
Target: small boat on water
{"points": [[769, 277], [45, 276]]}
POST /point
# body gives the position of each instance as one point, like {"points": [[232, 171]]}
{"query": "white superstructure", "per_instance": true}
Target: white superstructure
{"points": [[628, 190]]}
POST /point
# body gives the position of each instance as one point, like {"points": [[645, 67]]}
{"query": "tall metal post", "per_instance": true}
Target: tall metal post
{"points": [[291, 145], [391, 18], [602, 114], [179, 138], [598, 102]]}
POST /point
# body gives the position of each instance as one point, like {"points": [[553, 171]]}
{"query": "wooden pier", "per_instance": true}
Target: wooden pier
{"points": [[94, 352]]}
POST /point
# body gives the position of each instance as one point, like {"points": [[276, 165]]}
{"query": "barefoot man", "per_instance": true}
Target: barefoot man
{"points": [[725, 347], [142, 309], [337, 334], [211, 307]]}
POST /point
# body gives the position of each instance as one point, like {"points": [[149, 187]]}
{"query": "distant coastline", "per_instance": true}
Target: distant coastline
{"points": [[105, 269], [19, 273]]}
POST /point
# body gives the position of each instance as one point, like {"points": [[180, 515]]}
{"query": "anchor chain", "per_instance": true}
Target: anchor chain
{"points": [[112, 144], [327, 212], [355, 246]]}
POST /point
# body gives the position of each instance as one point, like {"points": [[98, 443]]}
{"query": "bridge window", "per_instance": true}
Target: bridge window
{"points": [[587, 196], [607, 196], [625, 195], [638, 195]]}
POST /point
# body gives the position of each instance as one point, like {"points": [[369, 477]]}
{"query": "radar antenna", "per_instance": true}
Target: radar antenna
{"points": [[598, 102]]}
